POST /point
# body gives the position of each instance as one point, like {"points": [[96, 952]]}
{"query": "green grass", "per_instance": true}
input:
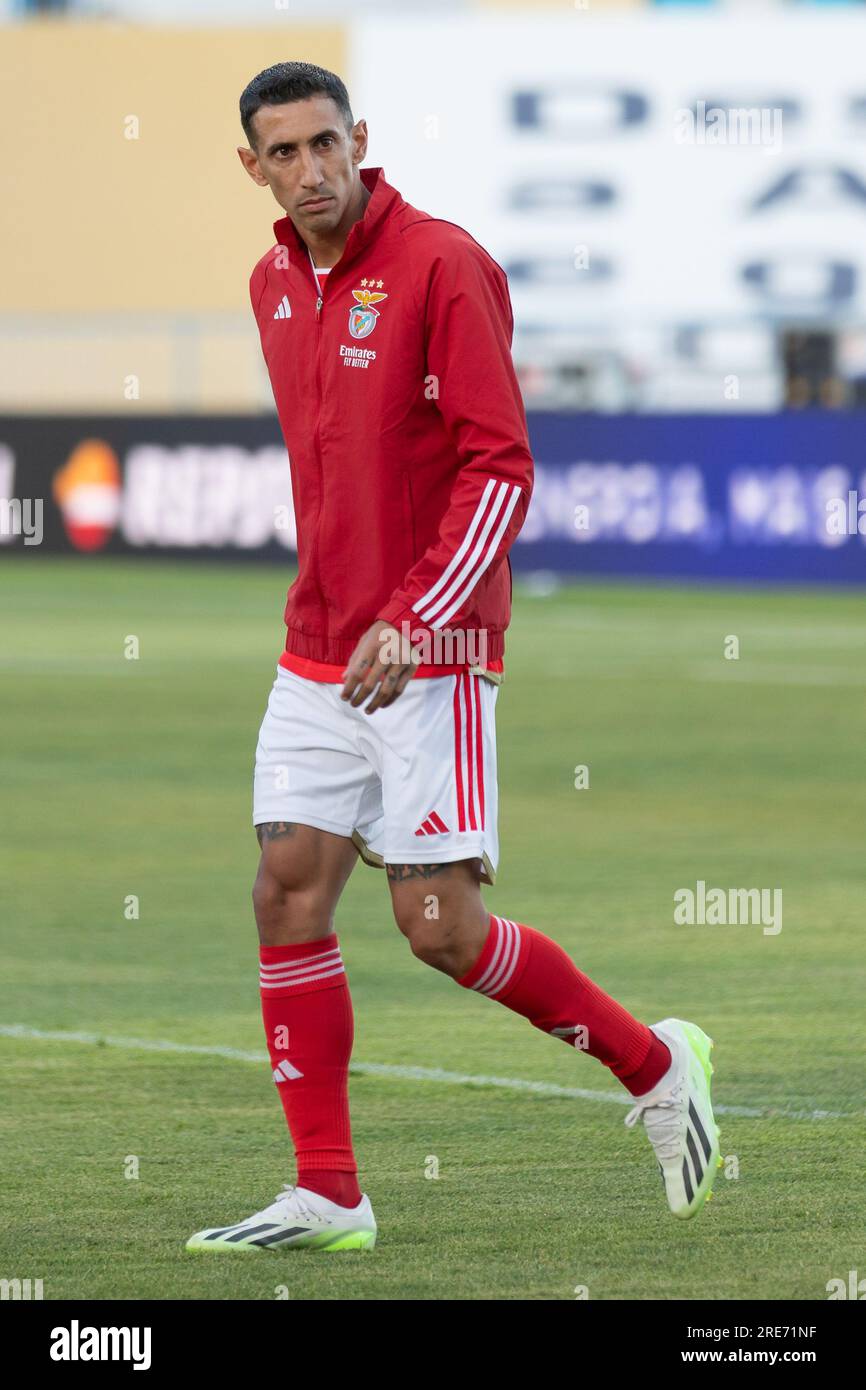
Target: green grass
{"points": [[133, 777]]}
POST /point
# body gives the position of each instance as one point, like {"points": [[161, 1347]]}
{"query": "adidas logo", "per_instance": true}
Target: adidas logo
{"points": [[286, 1072], [284, 309], [433, 825]]}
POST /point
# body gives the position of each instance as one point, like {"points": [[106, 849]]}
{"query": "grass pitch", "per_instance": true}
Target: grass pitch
{"points": [[133, 777]]}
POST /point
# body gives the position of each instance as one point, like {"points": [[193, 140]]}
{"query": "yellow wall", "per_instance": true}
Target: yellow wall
{"points": [[93, 221]]}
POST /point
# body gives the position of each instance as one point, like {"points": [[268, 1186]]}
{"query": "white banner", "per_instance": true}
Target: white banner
{"points": [[576, 149]]}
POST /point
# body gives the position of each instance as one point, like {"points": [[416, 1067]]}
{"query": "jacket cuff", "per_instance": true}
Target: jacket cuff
{"points": [[396, 612]]}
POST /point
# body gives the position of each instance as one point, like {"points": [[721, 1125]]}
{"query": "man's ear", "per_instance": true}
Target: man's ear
{"points": [[359, 142], [250, 160]]}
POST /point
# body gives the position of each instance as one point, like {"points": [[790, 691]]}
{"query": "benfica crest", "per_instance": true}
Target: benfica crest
{"points": [[362, 316]]}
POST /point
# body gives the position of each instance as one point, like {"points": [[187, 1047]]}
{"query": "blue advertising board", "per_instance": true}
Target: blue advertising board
{"points": [[712, 497], [771, 497]]}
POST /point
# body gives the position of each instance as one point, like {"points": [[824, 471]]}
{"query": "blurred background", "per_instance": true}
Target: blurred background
{"points": [[676, 190]]}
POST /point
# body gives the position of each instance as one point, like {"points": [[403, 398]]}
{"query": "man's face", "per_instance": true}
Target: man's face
{"points": [[308, 158]]}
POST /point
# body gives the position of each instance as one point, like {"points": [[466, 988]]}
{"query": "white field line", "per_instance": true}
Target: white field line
{"points": [[402, 1073]]}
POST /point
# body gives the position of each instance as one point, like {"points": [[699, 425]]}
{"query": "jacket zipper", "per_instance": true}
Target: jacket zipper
{"points": [[316, 436], [317, 439]]}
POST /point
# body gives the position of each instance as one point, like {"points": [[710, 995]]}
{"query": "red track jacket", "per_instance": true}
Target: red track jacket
{"points": [[406, 434]]}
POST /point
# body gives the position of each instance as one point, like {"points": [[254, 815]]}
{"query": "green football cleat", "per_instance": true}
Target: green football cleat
{"points": [[298, 1220], [678, 1118]]}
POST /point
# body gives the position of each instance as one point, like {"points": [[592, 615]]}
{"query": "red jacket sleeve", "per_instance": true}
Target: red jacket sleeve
{"points": [[257, 286], [469, 325]]}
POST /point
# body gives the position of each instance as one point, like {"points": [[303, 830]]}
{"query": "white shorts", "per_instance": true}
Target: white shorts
{"points": [[414, 783]]}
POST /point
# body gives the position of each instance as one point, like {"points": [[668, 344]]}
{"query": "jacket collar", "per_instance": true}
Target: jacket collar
{"points": [[383, 199]]}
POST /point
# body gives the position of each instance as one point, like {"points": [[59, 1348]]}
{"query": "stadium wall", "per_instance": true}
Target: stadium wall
{"points": [[121, 186]]}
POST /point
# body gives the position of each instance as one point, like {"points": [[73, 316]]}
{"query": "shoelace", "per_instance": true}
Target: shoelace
{"points": [[297, 1205], [661, 1121]]}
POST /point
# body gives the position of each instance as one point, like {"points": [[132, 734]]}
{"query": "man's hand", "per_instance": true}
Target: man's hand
{"points": [[383, 662]]}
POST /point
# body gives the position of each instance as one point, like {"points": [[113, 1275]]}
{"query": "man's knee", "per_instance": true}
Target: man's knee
{"points": [[450, 942], [428, 937], [287, 911], [302, 872], [442, 917]]}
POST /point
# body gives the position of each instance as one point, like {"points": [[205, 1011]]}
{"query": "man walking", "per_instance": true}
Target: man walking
{"points": [[387, 337]]}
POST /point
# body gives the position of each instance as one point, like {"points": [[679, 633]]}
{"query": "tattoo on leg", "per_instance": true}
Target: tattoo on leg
{"points": [[398, 873], [275, 830]]}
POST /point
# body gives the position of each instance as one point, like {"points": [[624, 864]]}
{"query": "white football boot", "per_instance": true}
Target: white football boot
{"points": [[296, 1219], [678, 1118]]}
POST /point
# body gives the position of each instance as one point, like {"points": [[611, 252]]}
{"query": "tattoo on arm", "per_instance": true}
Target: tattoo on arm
{"points": [[275, 830], [399, 873]]}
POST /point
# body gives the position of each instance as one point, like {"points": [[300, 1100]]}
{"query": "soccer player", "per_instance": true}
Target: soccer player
{"points": [[387, 337]]}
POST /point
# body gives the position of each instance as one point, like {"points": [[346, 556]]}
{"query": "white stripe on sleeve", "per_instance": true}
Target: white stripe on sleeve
{"points": [[491, 509]]}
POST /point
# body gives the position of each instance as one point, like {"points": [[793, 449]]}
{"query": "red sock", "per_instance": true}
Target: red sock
{"points": [[529, 973], [309, 1026]]}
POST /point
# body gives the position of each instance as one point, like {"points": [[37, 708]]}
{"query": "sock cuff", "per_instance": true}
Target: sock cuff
{"points": [[300, 967], [504, 957]]}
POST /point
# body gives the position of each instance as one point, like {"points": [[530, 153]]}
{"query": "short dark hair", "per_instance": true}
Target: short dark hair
{"points": [[286, 82]]}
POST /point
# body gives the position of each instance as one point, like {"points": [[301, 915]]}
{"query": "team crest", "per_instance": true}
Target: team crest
{"points": [[362, 316]]}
